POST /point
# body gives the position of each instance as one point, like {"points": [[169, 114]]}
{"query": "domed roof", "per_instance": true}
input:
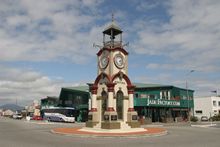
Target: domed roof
{"points": [[115, 29]]}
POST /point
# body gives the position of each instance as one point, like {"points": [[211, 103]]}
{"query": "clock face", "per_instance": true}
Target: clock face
{"points": [[103, 62], [119, 61]]}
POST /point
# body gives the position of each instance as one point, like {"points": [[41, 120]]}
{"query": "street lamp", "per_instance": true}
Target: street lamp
{"points": [[187, 93]]}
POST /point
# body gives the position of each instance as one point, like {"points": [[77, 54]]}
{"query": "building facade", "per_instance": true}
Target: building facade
{"points": [[78, 98], [163, 103], [206, 106], [153, 102]]}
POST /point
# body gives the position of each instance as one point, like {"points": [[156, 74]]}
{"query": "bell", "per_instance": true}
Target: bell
{"points": [[112, 37]]}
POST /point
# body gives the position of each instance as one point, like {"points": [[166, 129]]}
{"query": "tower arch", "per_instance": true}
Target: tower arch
{"points": [[121, 75], [100, 77]]}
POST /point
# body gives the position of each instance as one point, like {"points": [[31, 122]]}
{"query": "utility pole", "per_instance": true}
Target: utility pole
{"points": [[187, 93]]}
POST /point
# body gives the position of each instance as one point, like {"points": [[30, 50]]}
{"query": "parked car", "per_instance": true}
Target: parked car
{"points": [[37, 118], [204, 118], [17, 116]]}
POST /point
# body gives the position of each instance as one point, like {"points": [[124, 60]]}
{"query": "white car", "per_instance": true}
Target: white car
{"points": [[204, 118], [17, 116]]}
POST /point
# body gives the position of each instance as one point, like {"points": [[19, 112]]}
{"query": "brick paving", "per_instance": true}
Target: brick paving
{"points": [[77, 132]]}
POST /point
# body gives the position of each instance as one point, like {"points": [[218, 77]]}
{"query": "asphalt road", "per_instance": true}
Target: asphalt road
{"points": [[19, 133]]}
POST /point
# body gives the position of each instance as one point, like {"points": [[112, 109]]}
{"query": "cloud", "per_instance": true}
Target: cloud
{"points": [[47, 30], [27, 85], [181, 36], [147, 5], [190, 37]]}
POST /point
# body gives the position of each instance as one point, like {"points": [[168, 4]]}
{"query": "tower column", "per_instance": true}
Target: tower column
{"points": [[93, 117], [131, 97], [110, 96], [132, 115], [94, 101]]}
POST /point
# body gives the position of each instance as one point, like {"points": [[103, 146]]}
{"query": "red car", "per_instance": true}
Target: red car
{"points": [[37, 118]]}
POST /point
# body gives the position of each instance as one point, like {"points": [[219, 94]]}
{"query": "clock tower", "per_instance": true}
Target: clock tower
{"points": [[112, 92]]}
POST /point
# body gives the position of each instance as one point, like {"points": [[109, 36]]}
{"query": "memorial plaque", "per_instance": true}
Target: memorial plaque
{"points": [[106, 117], [89, 117], [114, 117], [134, 117]]}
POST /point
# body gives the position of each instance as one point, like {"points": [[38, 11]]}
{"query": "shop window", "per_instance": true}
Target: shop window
{"points": [[198, 111], [143, 96], [68, 102], [151, 96], [184, 97], [77, 100], [70, 96], [165, 94], [214, 103]]}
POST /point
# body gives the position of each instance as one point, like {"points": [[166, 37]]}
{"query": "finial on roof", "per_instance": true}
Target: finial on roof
{"points": [[112, 17], [112, 27]]}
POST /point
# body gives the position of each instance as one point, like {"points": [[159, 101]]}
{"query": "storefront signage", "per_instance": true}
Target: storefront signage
{"points": [[163, 102]]}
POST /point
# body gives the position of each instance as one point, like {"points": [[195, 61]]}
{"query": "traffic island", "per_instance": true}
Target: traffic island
{"points": [[85, 132]]}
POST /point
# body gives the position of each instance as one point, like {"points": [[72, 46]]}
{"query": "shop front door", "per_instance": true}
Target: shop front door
{"points": [[156, 115]]}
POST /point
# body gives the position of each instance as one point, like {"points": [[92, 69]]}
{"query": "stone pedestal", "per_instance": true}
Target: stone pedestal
{"points": [[93, 119], [133, 119], [110, 120], [111, 125]]}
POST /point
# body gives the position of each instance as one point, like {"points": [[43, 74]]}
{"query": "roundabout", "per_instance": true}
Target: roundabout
{"points": [[88, 132]]}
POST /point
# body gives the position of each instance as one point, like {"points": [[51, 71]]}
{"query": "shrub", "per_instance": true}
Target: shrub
{"points": [[215, 117], [193, 118]]}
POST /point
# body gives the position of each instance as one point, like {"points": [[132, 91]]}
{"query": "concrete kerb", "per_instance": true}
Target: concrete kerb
{"points": [[204, 125]]}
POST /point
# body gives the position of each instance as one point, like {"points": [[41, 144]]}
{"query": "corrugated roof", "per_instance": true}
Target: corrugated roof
{"points": [[143, 85], [79, 88]]}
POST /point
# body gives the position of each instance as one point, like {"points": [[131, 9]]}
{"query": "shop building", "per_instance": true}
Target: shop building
{"points": [[163, 103], [206, 106], [78, 98]]}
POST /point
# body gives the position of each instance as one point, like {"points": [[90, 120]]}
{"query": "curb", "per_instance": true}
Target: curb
{"points": [[204, 126]]}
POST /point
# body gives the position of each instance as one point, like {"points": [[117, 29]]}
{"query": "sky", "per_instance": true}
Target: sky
{"points": [[48, 44]]}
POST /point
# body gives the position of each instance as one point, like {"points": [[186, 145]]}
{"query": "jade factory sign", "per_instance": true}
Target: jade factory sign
{"points": [[163, 103], [159, 102]]}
